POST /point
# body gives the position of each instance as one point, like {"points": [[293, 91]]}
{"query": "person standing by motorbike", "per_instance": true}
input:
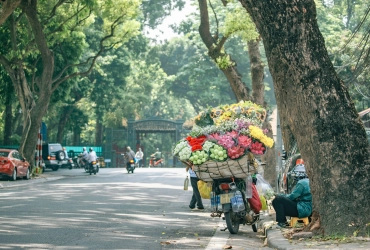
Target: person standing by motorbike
{"points": [[139, 157], [196, 199], [130, 155]]}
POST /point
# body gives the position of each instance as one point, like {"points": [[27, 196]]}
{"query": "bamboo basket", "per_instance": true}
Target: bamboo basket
{"points": [[212, 170]]}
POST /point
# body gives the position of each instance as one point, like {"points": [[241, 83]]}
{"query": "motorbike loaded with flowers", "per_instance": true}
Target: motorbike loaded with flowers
{"points": [[221, 149]]}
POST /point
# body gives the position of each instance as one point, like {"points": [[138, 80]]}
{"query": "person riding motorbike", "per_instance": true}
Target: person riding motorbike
{"points": [[130, 155], [157, 155], [84, 155], [91, 156]]}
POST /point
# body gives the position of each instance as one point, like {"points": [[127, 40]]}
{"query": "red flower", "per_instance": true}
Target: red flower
{"points": [[198, 140], [196, 147]]}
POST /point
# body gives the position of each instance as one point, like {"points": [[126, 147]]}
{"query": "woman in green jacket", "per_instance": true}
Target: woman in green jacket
{"points": [[299, 202]]}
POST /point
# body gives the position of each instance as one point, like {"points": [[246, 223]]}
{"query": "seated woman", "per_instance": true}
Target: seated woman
{"points": [[299, 202]]}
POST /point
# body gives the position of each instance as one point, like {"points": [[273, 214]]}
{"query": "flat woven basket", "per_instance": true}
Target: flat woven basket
{"points": [[212, 170]]}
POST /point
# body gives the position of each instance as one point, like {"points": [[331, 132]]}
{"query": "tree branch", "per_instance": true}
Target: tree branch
{"points": [[217, 25], [7, 8], [59, 79], [54, 10], [7, 65], [30, 8]]}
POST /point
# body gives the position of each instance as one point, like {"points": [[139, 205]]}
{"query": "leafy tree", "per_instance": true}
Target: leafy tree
{"points": [[32, 63], [215, 44], [334, 147]]}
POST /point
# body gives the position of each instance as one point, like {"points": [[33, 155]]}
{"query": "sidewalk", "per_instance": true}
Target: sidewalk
{"points": [[21, 182], [299, 240]]}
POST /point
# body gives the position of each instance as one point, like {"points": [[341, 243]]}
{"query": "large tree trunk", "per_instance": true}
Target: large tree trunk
{"points": [[8, 114], [99, 132], [215, 51], [66, 113], [315, 105], [258, 94], [257, 70]]}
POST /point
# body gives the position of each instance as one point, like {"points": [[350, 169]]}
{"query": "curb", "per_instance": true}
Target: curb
{"points": [[276, 240], [274, 236], [20, 183]]}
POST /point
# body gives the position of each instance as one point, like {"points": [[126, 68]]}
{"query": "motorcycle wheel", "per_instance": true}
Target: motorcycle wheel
{"points": [[254, 227], [232, 222]]}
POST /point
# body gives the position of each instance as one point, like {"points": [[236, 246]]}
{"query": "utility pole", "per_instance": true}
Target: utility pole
{"points": [[279, 151]]}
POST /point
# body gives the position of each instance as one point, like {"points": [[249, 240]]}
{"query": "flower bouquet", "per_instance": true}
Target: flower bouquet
{"points": [[227, 138]]}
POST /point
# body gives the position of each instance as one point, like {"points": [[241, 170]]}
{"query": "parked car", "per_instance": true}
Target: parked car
{"points": [[53, 155], [13, 165]]}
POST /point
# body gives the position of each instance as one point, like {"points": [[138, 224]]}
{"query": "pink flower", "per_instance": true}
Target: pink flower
{"points": [[235, 152], [226, 141], [233, 134], [257, 148], [244, 141], [213, 136]]}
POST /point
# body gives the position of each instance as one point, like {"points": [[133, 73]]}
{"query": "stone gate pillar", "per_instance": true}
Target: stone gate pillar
{"points": [[178, 136], [131, 133]]}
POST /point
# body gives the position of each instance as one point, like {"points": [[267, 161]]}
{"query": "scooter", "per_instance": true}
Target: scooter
{"points": [[93, 167], [154, 163], [131, 166], [236, 208]]}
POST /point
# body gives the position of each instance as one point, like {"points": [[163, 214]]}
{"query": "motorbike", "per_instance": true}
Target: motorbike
{"points": [[230, 194], [154, 163], [131, 166], [93, 167], [81, 162]]}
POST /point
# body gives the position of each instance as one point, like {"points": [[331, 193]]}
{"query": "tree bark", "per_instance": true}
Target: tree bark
{"points": [[7, 8], [215, 51], [257, 70], [258, 96], [99, 132], [67, 111], [8, 114], [316, 107]]}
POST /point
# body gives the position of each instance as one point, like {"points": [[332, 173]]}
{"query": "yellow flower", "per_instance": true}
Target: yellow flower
{"points": [[258, 134]]}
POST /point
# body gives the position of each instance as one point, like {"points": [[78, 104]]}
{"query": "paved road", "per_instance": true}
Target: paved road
{"points": [[112, 210]]}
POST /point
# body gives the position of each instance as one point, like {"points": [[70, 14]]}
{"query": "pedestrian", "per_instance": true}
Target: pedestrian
{"points": [[299, 202], [139, 157], [65, 152], [196, 200]]}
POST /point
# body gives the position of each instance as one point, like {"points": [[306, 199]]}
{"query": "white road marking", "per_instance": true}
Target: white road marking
{"points": [[219, 239]]}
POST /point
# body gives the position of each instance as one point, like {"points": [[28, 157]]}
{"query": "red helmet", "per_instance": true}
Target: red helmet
{"points": [[299, 161]]}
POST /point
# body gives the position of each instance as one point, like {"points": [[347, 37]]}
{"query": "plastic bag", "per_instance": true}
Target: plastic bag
{"points": [[263, 202], [264, 188], [255, 202], [204, 189]]}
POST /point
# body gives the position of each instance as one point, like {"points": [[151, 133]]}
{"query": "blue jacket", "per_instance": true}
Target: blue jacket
{"points": [[302, 195]]}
